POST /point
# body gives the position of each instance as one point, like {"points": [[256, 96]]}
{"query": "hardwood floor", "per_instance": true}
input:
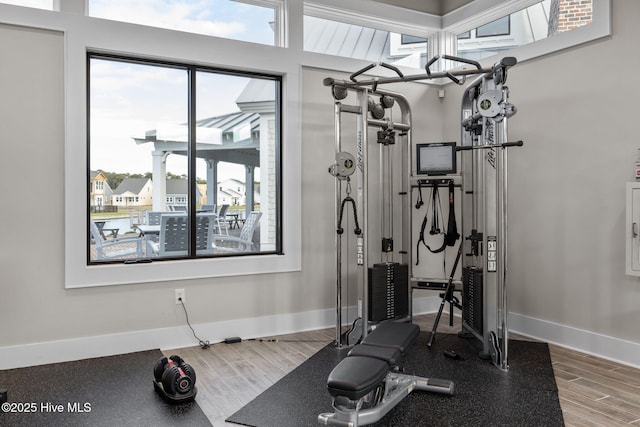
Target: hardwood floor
{"points": [[592, 391]]}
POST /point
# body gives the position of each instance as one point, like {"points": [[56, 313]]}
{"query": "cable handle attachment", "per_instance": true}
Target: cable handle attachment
{"points": [[348, 199]]}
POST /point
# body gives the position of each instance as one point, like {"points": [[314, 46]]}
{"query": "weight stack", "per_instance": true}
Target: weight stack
{"points": [[472, 292], [388, 291]]}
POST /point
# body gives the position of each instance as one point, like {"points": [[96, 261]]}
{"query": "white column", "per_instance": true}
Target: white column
{"points": [[159, 180], [212, 182], [268, 182]]}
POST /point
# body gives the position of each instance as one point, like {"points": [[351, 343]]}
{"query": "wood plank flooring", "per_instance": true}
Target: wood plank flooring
{"points": [[592, 391]]}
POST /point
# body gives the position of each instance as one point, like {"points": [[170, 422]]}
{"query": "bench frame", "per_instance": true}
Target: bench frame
{"points": [[397, 386]]}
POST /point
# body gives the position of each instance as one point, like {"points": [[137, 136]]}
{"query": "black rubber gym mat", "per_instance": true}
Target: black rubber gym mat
{"points": [[526, 395], [105, 391]]}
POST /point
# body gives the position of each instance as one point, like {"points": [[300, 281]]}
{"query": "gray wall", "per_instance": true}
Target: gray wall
{"points": [[577, 116], [577, 113]]}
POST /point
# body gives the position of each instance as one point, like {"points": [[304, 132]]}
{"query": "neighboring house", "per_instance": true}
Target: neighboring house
{"points": [[177, 192], [231, 192], [234, 192], [133, 192], [99, 190]]}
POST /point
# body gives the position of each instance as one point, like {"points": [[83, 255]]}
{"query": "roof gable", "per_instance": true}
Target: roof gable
{"points": [[132, 185]]}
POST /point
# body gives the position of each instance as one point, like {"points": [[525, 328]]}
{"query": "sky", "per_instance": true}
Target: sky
{"points": [[220, 18]]}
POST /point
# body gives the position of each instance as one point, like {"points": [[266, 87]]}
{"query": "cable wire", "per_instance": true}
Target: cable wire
{"points": [[204, 344]]}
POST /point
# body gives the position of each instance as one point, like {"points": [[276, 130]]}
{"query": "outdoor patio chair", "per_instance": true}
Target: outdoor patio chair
{"points": [[242, 243], [118, 247], [153, 217], [221, 221], [174, 236]]}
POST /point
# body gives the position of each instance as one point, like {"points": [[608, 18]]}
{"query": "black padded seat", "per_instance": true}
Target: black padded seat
{"points": [[356, 376], [388, 354], [394, 335]]}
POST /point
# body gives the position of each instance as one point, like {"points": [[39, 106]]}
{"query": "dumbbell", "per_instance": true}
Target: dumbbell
{"points": [[176, 376]]}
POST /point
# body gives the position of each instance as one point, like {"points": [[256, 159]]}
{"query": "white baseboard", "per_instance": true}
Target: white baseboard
{"points": [[164, 338], [17, 356], [178, 337], [606, 347]]}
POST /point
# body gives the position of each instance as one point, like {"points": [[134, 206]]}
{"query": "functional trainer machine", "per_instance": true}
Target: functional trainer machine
{"points": [[383, 285], [484, 145], [367, 383]]}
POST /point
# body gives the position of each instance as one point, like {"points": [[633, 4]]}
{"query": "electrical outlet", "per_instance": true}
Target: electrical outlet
{"points": [[180, 295]]}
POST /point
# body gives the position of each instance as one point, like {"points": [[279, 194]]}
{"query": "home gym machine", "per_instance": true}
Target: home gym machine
{"points": [[367, 384], [482, 183], [383, 286], [484, 145]]}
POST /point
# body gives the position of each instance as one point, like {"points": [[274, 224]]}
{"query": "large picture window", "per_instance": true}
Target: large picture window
{"points": [[184, 161]]}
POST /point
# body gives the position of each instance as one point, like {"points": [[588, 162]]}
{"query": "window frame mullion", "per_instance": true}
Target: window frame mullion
{"points": [[191, 159]]}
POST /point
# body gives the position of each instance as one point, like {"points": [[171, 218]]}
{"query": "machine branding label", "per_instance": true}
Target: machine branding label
{"points": [[492, 253], [360, 153]]}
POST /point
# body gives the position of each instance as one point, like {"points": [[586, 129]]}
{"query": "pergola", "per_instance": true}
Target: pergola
{"points": [[236, 138], [232, 138]]}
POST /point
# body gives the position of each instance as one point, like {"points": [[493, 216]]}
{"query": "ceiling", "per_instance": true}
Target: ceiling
{"points": [[434, 7]]}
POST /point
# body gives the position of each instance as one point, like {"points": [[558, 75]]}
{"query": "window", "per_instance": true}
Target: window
{"points": [[499, 27], [354, 41], [534, 23], [407, 39], [238, 20], [165, 135]]}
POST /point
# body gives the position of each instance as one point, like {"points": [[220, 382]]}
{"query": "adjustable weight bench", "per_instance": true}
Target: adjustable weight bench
{"points": [[366, 384]]}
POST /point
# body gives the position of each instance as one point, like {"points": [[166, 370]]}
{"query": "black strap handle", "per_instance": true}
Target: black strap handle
{"points": [[346, 200]]}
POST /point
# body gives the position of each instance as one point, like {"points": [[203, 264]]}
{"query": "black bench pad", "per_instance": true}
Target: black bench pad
{"points": [[393, 335], [355, 376], [388, 354]]}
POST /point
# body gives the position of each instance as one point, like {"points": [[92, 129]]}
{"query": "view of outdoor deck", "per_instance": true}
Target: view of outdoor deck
{"points": [[142, 234]]}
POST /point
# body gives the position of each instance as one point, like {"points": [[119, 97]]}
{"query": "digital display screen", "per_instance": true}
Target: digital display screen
{"points": [[438, 158]]}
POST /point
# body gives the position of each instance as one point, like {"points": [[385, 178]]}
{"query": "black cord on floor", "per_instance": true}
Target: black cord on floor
{"points": [[206, 344], [203, 344], [279, 340]]}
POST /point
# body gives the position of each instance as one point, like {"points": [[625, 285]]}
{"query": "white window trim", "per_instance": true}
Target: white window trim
{"points": [[83, 33]]}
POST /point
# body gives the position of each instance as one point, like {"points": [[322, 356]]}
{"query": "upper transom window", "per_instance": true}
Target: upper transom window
{"points": [[257, 22]]}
